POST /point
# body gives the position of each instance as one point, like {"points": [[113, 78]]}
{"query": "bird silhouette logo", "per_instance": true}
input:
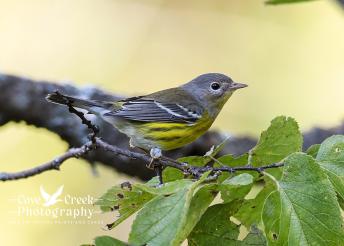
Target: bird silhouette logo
{"points": [[50, 200]]}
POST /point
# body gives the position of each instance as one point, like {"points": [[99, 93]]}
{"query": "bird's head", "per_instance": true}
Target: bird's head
{"points": [[212, 90]]}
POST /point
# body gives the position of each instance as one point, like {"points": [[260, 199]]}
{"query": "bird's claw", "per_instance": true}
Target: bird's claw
{"points": [[155, 154]]}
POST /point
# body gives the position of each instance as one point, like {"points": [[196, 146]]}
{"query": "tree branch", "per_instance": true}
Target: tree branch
{"points": [[23, 99], [51, 165], [95, 143], [187, 169]]}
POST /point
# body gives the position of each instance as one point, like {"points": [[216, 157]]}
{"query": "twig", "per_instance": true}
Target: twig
{"points": [[51, 165], [194, 171], [166, 162], [184, 167], [95, 142], [248, 168], [88, 123]]}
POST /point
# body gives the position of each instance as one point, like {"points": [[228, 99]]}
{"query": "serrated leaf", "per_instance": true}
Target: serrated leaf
{"points": [[331, 159], [162, 220], [236, 187], [158, 222], [310, 213], [215, 226], [280, 140], [313, 150], [126, 199], [108, 241]]}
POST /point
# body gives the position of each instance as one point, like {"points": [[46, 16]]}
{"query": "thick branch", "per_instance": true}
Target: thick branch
{"points": [[23, 99], [95, 143]]}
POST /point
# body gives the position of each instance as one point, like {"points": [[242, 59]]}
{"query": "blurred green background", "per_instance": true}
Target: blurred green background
{"points": [[290, 55]]}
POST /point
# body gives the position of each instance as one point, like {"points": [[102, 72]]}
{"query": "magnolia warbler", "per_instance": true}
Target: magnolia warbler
{"points": [[166, 119]]}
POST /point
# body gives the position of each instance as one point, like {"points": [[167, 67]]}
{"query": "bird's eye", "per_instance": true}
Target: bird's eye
{"points": [[215, 86]]}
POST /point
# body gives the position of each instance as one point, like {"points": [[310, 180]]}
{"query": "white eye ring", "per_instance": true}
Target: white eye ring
{"points": [[215, 86]]}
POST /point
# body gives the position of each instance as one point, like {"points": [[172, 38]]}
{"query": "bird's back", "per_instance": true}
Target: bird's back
{"points": [[166, 119]]}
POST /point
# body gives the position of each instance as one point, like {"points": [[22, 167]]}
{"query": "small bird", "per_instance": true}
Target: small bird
{"points": [[166, 119]]}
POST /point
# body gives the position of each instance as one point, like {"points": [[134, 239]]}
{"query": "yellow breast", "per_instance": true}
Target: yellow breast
{"points": [[169, 136]]}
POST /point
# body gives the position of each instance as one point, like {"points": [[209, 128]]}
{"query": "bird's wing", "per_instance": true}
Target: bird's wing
{"points": [[57, 193], [44, 194], [152, 110]]}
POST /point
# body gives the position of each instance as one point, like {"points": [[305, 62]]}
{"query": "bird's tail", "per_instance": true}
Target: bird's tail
{"points": [[92, 106]]}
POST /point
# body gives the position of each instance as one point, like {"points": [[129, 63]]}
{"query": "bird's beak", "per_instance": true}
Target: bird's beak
{"points": [[235, 86]]}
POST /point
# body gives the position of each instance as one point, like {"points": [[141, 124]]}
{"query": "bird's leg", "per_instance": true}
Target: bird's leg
{"points": [[155, 154], [158, 170]]}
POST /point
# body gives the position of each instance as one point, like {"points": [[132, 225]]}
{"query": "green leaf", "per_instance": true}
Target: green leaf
{"points": [[125, 198], [313, 150], [277, 142], [170, 174], [275, 2], [166, 188], [236, 187], [341, 202], [331, 159], [254, 237], [153, 182], [271, 216], [231, 161], [199, 204], [158, 222], [162, 220], [250, 212], [108, 241], [239, 180], [215, 226], [309, 213]]}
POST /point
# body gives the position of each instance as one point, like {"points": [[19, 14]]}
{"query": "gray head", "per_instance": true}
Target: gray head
{"points": [[212, 90]]}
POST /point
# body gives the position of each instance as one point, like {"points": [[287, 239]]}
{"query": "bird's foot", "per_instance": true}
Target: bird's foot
{"points": [[155, 154]]}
